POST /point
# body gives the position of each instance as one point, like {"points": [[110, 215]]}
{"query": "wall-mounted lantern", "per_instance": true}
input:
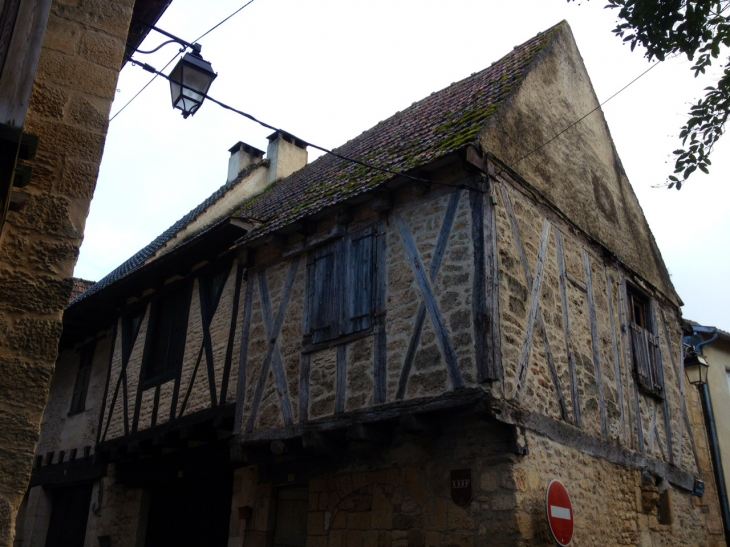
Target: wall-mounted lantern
{"points": [[696, 367], [190, 79], [195, 74]]}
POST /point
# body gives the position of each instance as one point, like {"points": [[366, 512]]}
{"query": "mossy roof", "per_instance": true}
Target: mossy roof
{"points": [[442, 123]]}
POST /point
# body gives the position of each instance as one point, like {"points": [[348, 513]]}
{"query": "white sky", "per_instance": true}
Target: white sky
{"points": [[327, 70]]}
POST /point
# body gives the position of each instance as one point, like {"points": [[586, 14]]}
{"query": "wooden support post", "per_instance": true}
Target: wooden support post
{"points": [[629, 363], [243, 359], [665, 394], [595, 342], [616, 358], [273, 355], [429, 301], [540, 322], [574, 395]]}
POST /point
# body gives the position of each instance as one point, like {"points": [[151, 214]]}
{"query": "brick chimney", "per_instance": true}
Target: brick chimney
{"points": [[286, 154], [242, 155]]}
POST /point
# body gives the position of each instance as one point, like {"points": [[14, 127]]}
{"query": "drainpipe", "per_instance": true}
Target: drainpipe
{"points": [[712, 436]]}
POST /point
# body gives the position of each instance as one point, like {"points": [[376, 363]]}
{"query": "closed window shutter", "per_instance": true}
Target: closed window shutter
{"points": [[640, 345], [160, 340], [358, 292], [654, 362], [321, 294], [170, 323]]}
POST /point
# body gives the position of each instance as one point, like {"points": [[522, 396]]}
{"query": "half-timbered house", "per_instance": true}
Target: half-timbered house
{"points": [[323, 354]]}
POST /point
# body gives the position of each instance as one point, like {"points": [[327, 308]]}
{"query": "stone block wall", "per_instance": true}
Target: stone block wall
{"points": [[399, 495], [121, 516], [429, 375], [63, 431], [74, 87], [612, 504], [603, 389]]}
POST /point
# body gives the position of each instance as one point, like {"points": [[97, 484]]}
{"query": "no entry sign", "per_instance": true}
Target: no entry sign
{"points": [[559, 513]]}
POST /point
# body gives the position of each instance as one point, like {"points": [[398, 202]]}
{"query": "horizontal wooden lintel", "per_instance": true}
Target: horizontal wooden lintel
{"points": [[380, 413]]}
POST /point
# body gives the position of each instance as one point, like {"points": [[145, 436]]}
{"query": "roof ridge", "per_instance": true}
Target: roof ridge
{"points": [[440, 123], [455, 139]]}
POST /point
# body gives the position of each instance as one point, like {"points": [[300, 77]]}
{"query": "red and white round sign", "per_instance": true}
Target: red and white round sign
{"points": [[559, 513]]}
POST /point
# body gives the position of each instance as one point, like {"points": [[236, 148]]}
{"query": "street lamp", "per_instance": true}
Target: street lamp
{"points": [[696, 367], [190, 81]]}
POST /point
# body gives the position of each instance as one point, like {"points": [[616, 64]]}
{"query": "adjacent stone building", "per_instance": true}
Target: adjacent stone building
{"points": [[325, 354], [59, 61]]}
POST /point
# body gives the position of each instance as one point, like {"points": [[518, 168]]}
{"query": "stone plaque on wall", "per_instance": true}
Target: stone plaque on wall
{"points": [[461, 486]]}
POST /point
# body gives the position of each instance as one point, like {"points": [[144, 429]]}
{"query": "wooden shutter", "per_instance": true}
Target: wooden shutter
{"points": [[321, 294], [358, 293], [654, 362], [646, 361], [170, 323], [641, 355], [81, 387]]}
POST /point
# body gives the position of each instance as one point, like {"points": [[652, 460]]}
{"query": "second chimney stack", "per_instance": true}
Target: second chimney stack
{"points": [[286, 154]]}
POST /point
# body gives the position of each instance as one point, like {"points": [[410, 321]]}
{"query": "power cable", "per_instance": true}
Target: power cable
{"points": [[175, 57], [224, 20], [153, 70], [145, 87], [584, 117]]}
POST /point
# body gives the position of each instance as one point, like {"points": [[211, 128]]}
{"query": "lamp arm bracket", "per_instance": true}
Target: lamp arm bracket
{"points": [[163, 44], [195, 47]]}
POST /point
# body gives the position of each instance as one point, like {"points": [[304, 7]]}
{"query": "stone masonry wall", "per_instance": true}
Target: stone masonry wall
{"points": [[615, 363], [74, 87], [399, 496], [611, 503], [199, 398], [65, 432], [429, 375]]}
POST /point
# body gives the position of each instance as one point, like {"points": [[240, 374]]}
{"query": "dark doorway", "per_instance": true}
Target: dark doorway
{"points": [[69, 513], [191, 513], [292, 511]]}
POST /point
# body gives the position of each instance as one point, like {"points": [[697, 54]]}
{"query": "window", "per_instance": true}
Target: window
{"points": [[645, 346], [81, 387], [166, 338], [341, 287]]}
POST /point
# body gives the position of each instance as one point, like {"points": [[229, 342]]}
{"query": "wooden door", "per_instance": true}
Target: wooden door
{"points": [[69, 513], [292, 508], [191, 513]]}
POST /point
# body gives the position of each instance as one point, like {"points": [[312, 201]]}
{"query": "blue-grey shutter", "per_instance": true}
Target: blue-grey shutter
{"points": [[358, 294], [321, 294]]}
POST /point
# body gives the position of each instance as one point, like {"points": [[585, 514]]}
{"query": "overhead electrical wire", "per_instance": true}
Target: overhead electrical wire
{"points": [[211, 29], [153, 70], [576, 122], [156, 73]]}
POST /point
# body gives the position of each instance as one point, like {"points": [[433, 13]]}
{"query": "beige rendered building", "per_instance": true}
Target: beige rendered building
{"points": [[325, 354], [715, 347]]}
